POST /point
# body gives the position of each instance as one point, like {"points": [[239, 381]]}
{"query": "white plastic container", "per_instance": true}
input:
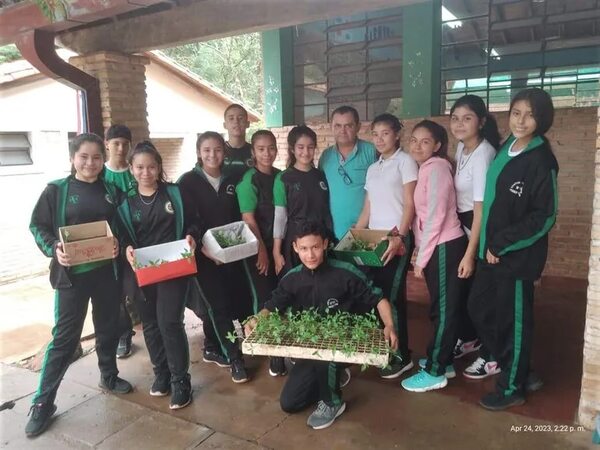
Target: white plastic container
{"points": [[236, 252]]}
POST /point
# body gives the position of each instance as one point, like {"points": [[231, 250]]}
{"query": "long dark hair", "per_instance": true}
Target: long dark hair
{"points": [[148, 148], [439, 134], [296, 133], [390, 120], [542, 109], [489, 130]]}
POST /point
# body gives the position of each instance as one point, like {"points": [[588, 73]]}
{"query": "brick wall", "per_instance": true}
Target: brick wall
{"points": [[122, 89], [171, 149], [573, 138], [589, 403]]}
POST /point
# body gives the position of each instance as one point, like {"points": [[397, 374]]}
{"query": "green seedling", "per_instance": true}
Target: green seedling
{"points": [[186, 254], [360, 245], [226, 240], [338, 331]]}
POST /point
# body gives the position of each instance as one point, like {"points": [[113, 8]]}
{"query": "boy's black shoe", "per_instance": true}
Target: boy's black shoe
{"points": [[115, 385], [124, 347], [495, 401], [238, 371], [215, 358], [396, 368], [277, 367], [41, 417], [161, 385], [181, 395]]}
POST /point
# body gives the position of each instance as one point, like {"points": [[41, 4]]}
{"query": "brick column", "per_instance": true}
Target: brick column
{"points": [[122, 89], [589, 402]]}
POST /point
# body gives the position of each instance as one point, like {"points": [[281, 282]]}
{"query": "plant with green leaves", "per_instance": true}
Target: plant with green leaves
{"points": [[338, 331], [228, 239], [361, 245]]}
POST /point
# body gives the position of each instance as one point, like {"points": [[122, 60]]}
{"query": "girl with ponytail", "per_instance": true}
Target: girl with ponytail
{"points": [[477, 132]]}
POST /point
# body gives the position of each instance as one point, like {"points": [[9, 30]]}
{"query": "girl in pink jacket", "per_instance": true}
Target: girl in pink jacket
{"points": [[441, 245]]}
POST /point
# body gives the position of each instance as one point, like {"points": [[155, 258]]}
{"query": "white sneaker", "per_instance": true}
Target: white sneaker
{"points": [[481, 369]]}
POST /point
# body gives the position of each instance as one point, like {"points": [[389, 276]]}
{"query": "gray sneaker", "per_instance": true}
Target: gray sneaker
{"points": [[325, 415]]}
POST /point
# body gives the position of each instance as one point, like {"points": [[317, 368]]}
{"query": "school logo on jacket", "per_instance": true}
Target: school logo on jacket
{"points": [[332, 303], [323, 185], [517, 188], [250, 162], [297, 187], [169, 208], [230, 189], [108, 199], [137, 215], [74, 199]]}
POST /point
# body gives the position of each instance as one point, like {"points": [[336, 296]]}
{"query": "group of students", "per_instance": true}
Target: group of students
{"points": [[479, 224]]}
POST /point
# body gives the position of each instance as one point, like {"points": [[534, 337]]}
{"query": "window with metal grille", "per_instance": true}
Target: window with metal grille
{"points": [[353, 60], [15, 149], [496, 48]]}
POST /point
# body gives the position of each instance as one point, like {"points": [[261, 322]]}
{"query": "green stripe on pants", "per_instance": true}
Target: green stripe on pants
{"points": [[517, 338], [50, 346], [212, 318], [332, 374], [252, 287], [439, 333]]}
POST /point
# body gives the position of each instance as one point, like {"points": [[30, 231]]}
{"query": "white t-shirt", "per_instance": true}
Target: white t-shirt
{"points": [[385, 186], [215, 182], [471, 170]]}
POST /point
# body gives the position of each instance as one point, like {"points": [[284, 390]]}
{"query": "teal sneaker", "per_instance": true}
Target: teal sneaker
{"points": [[450, 372], [423, 382]]}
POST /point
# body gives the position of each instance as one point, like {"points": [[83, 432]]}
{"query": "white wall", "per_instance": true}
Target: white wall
{"points": [[176, 108]]}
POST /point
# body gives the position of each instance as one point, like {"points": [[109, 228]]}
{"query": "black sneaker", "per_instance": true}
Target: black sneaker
{"points": [[277, 367], [115, 385], [396, 368], [215, 358], [161, 385], [181, 395], [124, 347], [238, 371], [495, 401], [41, 417], [463, 348]]}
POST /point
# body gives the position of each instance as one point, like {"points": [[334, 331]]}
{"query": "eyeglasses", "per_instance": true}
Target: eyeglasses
{"points": [[344, 175]]}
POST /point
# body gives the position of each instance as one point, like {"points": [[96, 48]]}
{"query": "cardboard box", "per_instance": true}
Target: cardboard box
{"points": [[87, 242], [235, 230], [163, 262], [362, 257]]}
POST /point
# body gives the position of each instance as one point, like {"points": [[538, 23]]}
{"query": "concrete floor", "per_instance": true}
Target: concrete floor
{"points": [[380, 414]]}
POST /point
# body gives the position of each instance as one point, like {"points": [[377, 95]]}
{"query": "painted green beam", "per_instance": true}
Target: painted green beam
{"points": [[421, 37], [278, 70]]}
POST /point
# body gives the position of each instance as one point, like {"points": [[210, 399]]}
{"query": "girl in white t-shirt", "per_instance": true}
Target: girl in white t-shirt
{"points": [[477, 132], [389, 205]]}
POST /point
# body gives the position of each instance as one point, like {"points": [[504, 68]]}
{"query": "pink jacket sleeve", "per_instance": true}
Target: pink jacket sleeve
{"points": [[439, 189]]}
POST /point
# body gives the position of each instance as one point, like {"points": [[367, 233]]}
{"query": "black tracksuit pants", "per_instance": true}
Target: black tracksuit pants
{"points": [[70, 309], [391, 279], [164, 331], [310, 381], [216, 308], [261, 286], [502, 309], [446, 293]]}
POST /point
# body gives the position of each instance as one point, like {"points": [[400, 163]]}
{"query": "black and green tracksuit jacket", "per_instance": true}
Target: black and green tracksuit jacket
{"points": [[519, 208], [49, 214], [183, 221]]}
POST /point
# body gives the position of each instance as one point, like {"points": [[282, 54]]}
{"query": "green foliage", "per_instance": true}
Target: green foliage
{"points": [[360, 245], [9, 53], [233, 64], [339, 331], [225, 239]]}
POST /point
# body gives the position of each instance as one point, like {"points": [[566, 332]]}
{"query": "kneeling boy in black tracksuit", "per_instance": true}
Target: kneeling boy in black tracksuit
{"points": [[328, 285]]}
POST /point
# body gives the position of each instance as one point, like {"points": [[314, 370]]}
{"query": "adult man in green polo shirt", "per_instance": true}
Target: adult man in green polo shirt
{"points": [[345, 166]]}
